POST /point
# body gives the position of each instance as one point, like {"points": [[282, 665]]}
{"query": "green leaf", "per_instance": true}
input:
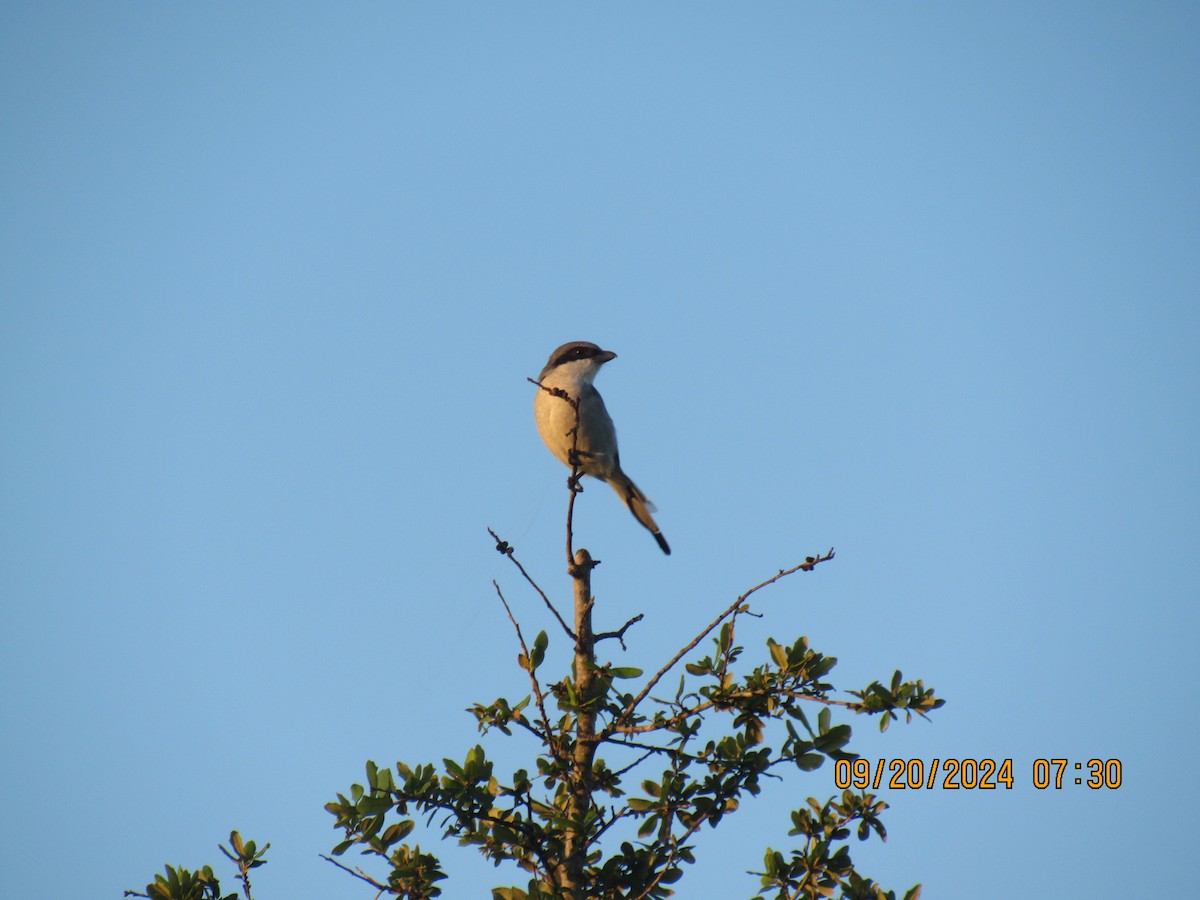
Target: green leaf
{"points": [[625, 672], [539, 650], [798, 713], [809, 761], [778, 653], [397, 832]]}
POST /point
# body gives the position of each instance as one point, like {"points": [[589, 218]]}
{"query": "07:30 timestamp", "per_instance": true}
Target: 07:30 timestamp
{"points": [[1102, 773]]}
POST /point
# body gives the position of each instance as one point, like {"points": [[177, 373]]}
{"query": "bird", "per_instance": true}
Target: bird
{"points": [[572, 368]]}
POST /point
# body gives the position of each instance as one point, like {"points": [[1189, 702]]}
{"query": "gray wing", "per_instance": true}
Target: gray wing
{"points": [[597, 436]]}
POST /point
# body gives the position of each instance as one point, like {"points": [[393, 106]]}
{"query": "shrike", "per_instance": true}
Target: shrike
{"points": [[572, 368]]}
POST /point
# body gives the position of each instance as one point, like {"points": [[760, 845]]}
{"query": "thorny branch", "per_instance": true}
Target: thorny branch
{"points": [[619, 634], [508, 550], [537, 688], [573, 485], [357, 873], [807, 566]]}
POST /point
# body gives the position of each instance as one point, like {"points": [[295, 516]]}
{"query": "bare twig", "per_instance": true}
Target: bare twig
{"points": [[537, 688], [573, 488], [357, 873], [807, 566], [573, 483], [650, 751], [619, 634], [508, 550], [666, 724], [615, 817]]}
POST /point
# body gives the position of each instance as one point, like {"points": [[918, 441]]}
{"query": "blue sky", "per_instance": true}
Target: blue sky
{"points": [[918, 281]]}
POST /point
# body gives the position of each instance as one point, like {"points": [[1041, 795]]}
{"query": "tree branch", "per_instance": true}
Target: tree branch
{"points": [[807, 566], [357, 873], [508, 550], [537, 688], [671, 857], [619, 634], [573, 485]]}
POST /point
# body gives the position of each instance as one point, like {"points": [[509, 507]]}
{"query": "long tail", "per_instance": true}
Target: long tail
{"points": [[639, 506]]}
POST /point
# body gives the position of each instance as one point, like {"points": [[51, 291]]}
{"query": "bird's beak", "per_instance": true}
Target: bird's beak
{"points": [[605, 356]]}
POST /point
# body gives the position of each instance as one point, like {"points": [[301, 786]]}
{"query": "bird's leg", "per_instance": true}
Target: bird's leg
{"points": [[575, 459], [575, 456], [574, 481]]}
